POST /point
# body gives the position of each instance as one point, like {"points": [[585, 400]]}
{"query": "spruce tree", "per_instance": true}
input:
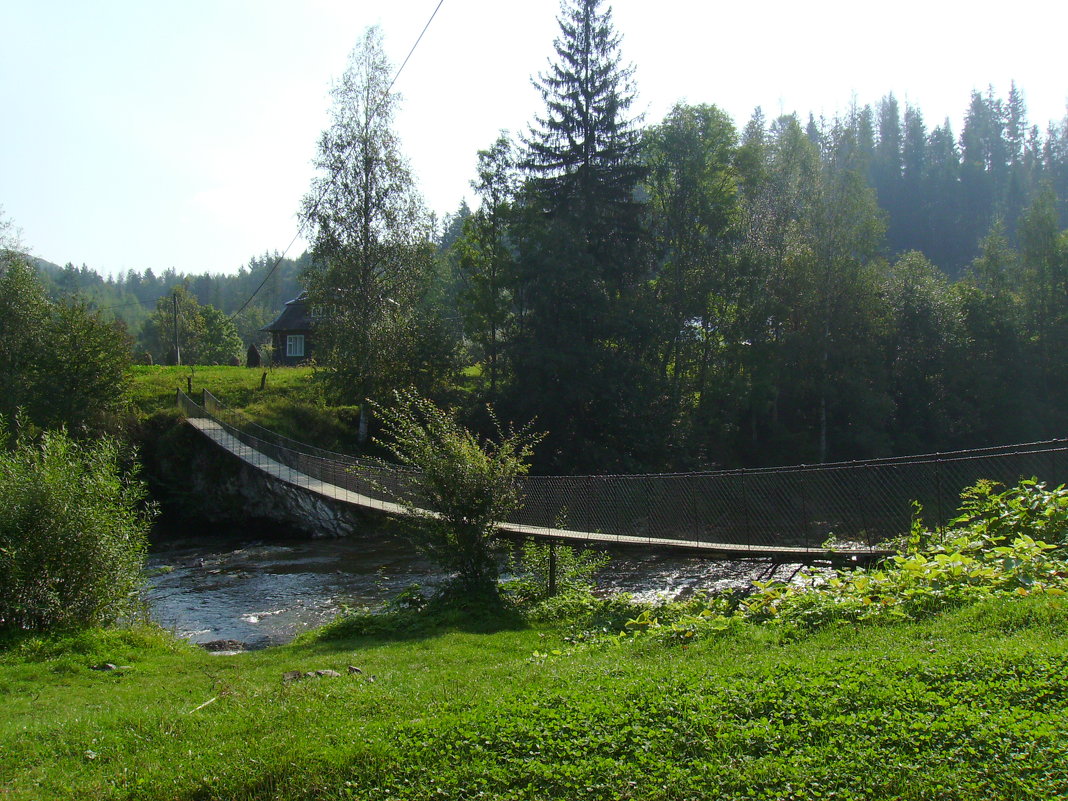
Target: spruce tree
{"points": [[582, 260], [583, 153]]}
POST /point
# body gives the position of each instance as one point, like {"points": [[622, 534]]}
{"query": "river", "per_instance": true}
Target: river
{"points": [[227, 585]]}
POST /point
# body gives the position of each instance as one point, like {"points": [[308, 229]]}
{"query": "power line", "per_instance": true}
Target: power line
{"points": [[333, 176]]}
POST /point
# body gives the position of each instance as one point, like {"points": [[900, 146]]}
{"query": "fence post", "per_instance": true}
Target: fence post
{"points": [[693, 498], [552, 568], [745, 510], [867, 498], [938, 491]]}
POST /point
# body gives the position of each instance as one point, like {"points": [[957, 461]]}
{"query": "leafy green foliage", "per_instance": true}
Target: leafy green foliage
{"points": [[63, 364], [574, 570], [205, 334], [1029, 509], [73, 532], [461, 486], [991, 549]]}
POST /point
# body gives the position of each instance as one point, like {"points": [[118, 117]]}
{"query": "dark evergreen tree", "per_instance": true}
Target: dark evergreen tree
{"points": [[912, 223], [887, 171], [942, 201], [983, 168], [581, 350]]}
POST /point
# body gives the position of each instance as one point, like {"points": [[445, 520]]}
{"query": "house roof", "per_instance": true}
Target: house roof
{"points": [[294, 317]]}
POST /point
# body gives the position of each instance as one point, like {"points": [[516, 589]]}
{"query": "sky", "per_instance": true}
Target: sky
{"points": [[140, 135]]}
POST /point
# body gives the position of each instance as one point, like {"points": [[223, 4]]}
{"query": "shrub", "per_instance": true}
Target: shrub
{"points": [[460, 487], [73, 532], [574, 570], [991, 549], [1030, 508]]}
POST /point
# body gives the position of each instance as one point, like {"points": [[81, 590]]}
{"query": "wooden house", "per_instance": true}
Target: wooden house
{"points": [[293, 332]]}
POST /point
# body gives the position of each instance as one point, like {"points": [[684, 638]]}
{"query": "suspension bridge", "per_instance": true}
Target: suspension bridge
{"points": [[839, 512]]}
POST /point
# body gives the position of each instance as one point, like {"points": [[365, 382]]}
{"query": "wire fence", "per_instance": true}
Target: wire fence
{"points": [[856, 504]]}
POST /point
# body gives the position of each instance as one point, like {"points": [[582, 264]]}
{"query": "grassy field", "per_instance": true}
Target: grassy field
{"points": [[969, 705], [152, 389], [289, 402]]}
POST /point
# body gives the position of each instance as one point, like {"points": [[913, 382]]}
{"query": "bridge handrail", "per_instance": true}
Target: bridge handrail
{"points": [[863, 503], [384, 483]]}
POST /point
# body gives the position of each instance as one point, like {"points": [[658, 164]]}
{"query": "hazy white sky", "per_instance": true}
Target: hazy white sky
{"points": [[146, 134]]}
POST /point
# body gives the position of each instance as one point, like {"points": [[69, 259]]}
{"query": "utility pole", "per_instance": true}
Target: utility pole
{"points": [[177, 352]]}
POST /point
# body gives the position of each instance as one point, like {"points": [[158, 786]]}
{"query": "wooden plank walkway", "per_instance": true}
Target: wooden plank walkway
{"points": [[727, 550]]}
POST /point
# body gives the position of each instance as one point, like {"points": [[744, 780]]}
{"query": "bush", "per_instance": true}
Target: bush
{"points": [[459, 488], [63, 363], [574, 570], [73, 532], [990, 550]]}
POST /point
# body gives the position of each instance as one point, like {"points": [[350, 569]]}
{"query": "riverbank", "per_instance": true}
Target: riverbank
{"points": [[970, 704], [263, 588]]}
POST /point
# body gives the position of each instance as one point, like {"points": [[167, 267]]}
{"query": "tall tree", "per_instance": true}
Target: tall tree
{"points": [[370, 236], [943, 201], [887, 170], [1044, 267], [692, 190], [579, 360], [487, 261], [924, 342], [912, 219], [583, 153], [992, 374]]}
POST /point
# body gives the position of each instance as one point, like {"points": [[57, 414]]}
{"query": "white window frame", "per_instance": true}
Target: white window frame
{"points": [[294, 345]]}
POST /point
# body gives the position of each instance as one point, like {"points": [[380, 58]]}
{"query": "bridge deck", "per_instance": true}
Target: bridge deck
{"points": [[288, 475]]}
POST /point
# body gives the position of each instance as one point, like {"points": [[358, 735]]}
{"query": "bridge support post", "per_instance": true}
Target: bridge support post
{"points": [[552, 568]]}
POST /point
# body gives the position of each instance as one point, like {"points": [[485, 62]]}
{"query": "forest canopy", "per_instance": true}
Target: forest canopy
{"points": [[687, 292]]}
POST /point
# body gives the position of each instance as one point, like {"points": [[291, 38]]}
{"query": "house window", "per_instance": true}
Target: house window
{"points": [[295, 345]]}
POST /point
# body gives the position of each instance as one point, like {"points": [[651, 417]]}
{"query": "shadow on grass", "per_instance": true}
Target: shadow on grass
{"points": [[452, 610]]}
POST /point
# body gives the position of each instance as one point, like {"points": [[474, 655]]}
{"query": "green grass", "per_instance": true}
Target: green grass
{"points": [[969, 705], [290, 402], [153, 387]]}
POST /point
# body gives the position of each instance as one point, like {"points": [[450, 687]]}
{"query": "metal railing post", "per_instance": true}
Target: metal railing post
{"points": [[938, 492], [745, 510]]}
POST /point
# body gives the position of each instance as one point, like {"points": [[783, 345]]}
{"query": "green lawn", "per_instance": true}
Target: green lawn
{"points": [[290, 401], [972, 704], [153, 387]]}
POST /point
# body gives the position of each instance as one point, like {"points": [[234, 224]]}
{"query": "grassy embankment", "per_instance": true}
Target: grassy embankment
{"points": [[290, 401], [971, 704], [968, 704]]}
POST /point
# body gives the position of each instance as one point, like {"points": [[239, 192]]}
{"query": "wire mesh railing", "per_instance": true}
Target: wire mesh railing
{"points": [[856, 504]]}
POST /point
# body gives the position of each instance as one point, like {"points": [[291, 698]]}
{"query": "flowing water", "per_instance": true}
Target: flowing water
{"points": [[214, 585]]}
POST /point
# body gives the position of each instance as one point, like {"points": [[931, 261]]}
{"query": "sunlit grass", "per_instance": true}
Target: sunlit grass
{"points": [[153, 387], [968, 705]]}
